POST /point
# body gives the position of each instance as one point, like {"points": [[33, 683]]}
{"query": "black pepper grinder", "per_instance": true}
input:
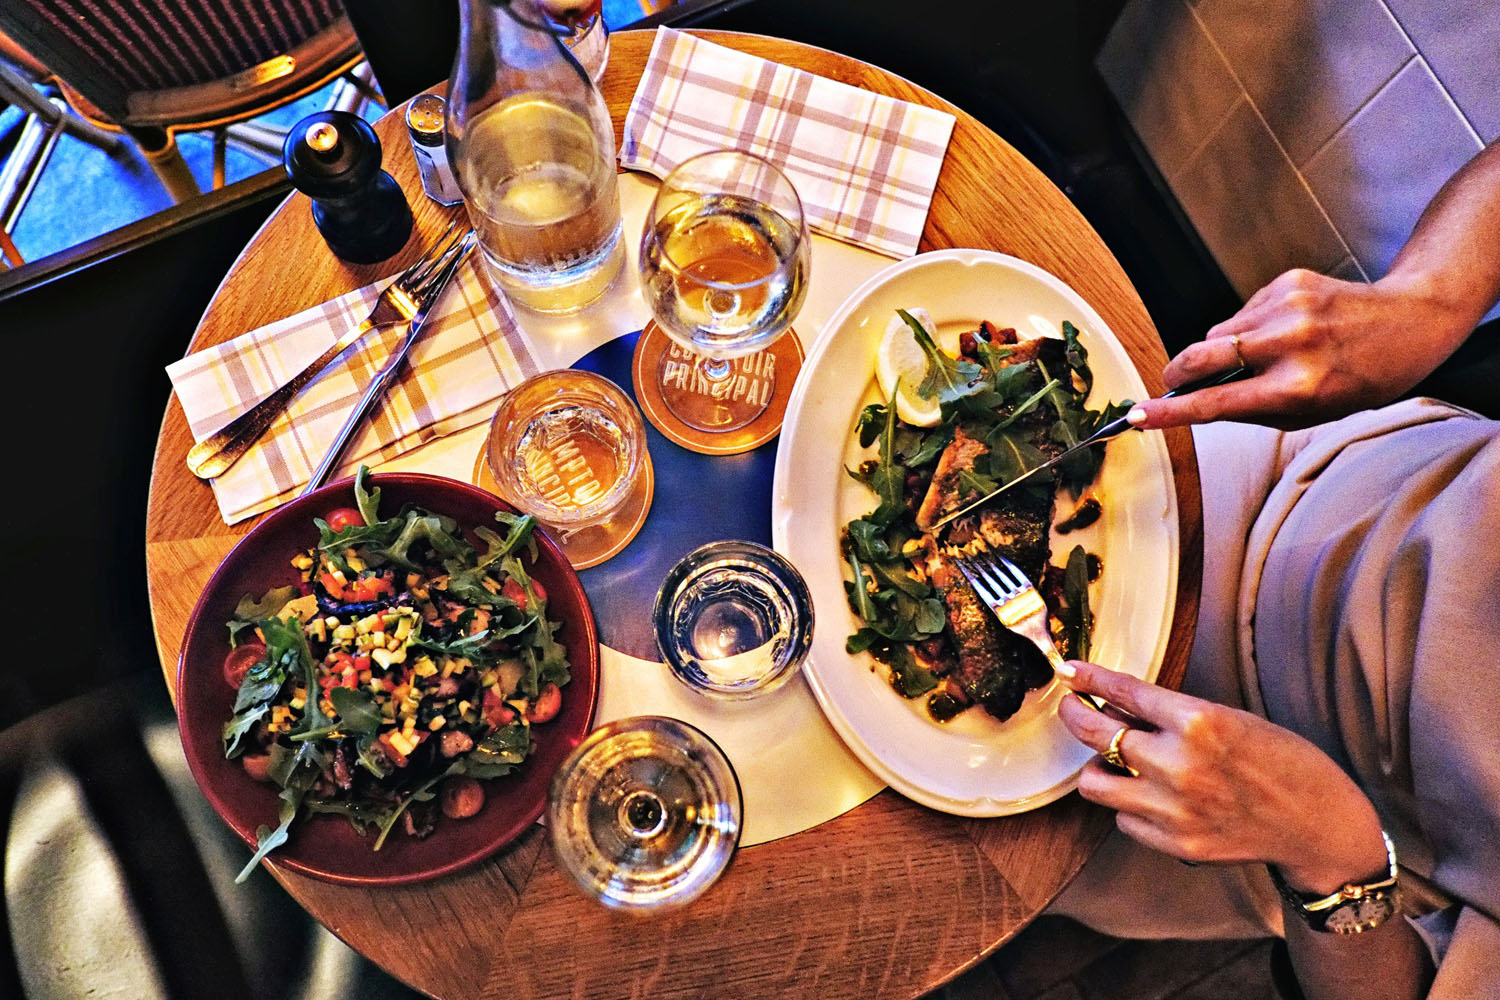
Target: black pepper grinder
{"points": [[333, 157]]}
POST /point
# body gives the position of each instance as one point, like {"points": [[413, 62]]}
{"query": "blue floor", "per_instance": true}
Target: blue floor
{"points": [[85, 193]]}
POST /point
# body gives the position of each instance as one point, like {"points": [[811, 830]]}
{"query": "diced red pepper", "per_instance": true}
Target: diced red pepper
{"points": [[496, 712], [331, 584]]}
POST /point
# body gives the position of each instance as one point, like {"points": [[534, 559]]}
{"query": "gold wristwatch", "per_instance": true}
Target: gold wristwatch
{"points": [[1354, 908]]}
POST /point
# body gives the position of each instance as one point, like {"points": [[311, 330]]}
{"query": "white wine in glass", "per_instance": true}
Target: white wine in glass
{"points": [[644, 814], [724, 266]]}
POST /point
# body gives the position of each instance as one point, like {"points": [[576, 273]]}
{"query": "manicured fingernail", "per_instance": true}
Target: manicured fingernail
{"points": [[1135, 417], [1066, 670]]}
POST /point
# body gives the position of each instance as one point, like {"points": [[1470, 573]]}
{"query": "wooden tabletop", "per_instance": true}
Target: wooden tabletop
{"points": [[889, 900]]}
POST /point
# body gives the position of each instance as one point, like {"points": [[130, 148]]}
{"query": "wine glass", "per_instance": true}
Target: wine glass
{"points": [[644, 814], [724, 261]]}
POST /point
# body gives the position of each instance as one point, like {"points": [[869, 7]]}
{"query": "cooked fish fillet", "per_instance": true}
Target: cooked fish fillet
{"points": [[945, 493]]}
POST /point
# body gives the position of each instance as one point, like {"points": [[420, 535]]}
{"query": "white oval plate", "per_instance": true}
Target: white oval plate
{"points": [[974, 765]]}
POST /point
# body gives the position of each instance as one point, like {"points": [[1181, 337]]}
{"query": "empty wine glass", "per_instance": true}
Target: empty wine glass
{"points": [[724, 261], [644, 814]]}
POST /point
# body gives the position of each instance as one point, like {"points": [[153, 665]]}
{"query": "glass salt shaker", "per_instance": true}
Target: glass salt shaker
{"points": [[424, 124]]}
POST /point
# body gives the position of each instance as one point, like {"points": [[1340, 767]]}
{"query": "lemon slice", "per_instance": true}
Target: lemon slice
{"points": [[900, 359]]}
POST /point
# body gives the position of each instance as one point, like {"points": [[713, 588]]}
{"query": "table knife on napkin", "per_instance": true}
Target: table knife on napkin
{"points": [[383, 378], [1112, 429]]}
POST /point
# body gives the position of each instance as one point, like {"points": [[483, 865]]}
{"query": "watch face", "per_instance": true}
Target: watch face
{"points": [[1360, 914]]}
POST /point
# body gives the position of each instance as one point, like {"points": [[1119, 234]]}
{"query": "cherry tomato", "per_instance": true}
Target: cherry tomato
{"points": [[342, 517], [257, 765], [514, 591], [546, 705], [239, 661], [539, 590]]}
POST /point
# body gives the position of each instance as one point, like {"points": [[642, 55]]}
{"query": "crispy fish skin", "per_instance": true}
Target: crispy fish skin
{"points": [[995, 666], [944, 492]]}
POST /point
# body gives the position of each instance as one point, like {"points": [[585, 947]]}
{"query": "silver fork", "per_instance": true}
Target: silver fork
{"points": [[401, 300], [1007, 592]]}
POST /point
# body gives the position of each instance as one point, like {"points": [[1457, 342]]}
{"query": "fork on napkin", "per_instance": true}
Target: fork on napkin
{"points": [[865, 165], [473, 353]]}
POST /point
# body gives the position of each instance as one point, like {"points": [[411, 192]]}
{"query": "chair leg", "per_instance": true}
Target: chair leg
{"points": [[165, 160], [23, 167], [16, 89], [8, 251]]}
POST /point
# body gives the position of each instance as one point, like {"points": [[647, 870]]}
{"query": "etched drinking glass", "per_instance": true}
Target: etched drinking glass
{"points": [[570, 448]]}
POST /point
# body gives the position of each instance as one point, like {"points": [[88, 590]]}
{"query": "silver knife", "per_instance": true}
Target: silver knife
{"points": [[383, 378], [1112, 429]]}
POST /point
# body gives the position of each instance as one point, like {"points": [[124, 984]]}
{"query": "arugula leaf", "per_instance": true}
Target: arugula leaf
{"points": [[859, 592], [871, 422], [908, 676], [249, 612], [1076, 616], [422, 793], [868, 539], [889, 478], [240, 726], [1011, 454], [1078, 359], [975, 483], [358, 715], [931, 617], [498, 753], [286, 643], [948, 379], [436, 531], [367, 500], [522, 532], [267, 839]]}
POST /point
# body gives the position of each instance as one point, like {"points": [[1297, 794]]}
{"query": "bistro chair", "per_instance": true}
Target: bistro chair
{"points": [[153, 68]]}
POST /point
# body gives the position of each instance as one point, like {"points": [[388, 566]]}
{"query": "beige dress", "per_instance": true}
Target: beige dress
{"points": [[1351, 593]]}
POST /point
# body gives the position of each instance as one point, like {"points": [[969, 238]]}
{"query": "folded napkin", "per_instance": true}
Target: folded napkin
{"points": [[471, 352], [864, 165]]}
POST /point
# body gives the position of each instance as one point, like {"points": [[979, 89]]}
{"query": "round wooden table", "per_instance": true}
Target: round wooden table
{"points": [[888, 900]]}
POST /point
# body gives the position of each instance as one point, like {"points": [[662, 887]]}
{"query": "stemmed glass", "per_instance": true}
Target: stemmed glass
{"points": [[724, 261], [644, 814]]}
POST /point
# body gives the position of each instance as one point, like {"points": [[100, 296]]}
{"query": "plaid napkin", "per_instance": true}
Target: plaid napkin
{"points": [[471, 352], [864, 165]]}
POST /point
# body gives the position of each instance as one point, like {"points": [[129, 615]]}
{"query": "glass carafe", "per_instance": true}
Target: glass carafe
{"points": [[533, 146]]}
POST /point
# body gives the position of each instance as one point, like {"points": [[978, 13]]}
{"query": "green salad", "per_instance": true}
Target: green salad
{"points": [[404, 669]]}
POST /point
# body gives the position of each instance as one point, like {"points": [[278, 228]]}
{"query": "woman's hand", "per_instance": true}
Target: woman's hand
{"points": [[1219, 785], [1320, 348]]}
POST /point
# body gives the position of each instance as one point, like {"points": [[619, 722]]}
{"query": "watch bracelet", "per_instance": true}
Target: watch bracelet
{"points": [[1315, 909]]}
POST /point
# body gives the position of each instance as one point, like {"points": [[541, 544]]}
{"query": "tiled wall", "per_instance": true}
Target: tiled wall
{"points": [[1307, 133]]}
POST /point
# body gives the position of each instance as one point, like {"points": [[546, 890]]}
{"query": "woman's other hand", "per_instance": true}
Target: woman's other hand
{"points": [[1321, 348], [1219, 785]]}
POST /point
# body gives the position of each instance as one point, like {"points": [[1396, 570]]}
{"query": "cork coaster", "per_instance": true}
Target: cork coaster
{"points": [[658, 358], [591, 546]]}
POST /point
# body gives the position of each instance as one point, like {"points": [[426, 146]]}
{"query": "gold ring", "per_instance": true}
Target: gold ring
{"points": [[1234, 342], [1114, 758]]}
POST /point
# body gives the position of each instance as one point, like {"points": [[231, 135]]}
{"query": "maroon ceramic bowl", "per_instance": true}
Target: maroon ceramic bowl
{"points": [[328, 847]]}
